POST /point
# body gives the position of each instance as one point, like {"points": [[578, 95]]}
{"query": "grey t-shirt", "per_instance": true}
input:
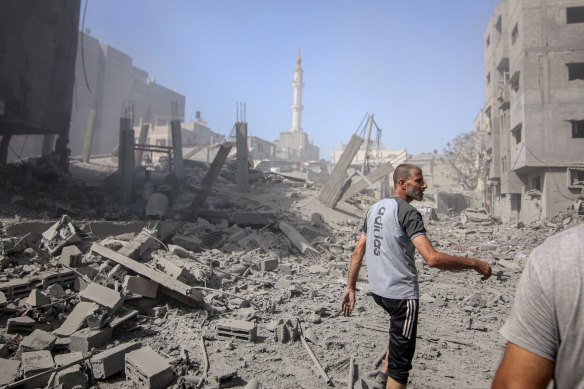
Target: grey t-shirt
{"points": [[390, 226], [547, 317]]}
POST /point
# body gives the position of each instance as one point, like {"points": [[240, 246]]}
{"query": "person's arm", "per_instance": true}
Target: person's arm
{"points": [[521, 369], [348, 300], [449, 262]]}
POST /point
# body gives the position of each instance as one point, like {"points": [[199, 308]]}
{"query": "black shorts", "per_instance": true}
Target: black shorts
{"points": [[403, 324]]}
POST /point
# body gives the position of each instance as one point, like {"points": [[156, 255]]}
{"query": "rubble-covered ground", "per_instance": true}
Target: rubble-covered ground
{"points": [[274, 260]]}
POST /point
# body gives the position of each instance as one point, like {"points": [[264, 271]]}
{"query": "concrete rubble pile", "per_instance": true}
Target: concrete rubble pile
{"points": [[244, 294]]}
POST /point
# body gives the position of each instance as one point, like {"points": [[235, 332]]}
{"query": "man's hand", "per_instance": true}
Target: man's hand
{"points": [[348, 301], [484, 269]]}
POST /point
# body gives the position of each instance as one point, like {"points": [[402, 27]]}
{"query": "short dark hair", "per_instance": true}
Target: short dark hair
{"points": [[403, 172]]}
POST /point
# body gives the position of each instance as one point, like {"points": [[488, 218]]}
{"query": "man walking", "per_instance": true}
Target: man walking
{"points": [[392, 231]]}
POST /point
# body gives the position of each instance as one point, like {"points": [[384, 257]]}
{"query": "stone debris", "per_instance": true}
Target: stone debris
{"points": [[146, 369], [246, 277]]}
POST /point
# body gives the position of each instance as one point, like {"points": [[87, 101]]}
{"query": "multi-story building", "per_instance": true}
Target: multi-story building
{"points": [[534, 102], [105, 80]]}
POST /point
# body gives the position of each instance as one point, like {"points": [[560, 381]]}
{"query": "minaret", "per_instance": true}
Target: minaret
{"points": [[297, 107]]}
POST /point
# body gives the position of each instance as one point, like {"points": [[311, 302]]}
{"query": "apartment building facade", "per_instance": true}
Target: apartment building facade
{"points": [[105, 79], [534, 102]]}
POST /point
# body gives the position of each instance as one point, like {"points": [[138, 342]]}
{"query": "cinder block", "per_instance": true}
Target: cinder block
{"points": [[20, 325], [146, 369], [65, 359], [72, 377], [38, 340], [176, 272], [103, 296], [238, 329], [269, 264], [86, 339], [36, 362], [112, 361], [8, 371], [141, 286], [70, 256], [36, 298], [76, 319]]}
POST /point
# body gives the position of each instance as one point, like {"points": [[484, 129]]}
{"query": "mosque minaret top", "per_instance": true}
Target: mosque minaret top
{"points": [[297, 106]]}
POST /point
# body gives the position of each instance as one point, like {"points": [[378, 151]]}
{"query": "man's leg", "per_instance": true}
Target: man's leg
{"points": [[402, 341]]}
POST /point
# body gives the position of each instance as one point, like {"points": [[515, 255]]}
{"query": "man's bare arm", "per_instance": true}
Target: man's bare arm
{"points": [[449, 262], [521, 369], [348, 299]]}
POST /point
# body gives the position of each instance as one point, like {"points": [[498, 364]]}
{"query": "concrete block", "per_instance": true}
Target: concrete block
{"points": [[283, 334], [172, 270], [269, 264], [36, 362], [111, 361], [72, 377], [146, 369], [36, 298], [4, 350], [70, 256], [38, 340], [86, 339], [140, 286], [65, 359], [76, 319], [285, 269], [238, 329], [56, 291], [8, 371], [144, 241], [103, 296], [20, 325]]}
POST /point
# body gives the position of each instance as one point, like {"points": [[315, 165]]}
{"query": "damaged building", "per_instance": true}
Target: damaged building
{"points": [[534, 77]]}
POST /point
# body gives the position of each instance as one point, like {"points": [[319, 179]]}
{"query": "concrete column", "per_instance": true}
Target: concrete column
{"points": [[48, 142], [126, 160], [142, 141], [4, 143], [86, 153], [176, 130], [242, 155]]}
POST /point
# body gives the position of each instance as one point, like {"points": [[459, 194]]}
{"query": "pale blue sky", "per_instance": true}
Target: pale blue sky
{"points": [[417, 65]]}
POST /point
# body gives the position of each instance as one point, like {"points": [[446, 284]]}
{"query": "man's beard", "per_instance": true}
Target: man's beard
{"points": [[416, 194]]}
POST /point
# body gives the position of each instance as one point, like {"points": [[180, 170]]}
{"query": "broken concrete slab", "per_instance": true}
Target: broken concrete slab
{"points": [[111, 361], [76, 318], [298, 240], [36, 298], [65, 359], [168, 285], [38, 340], [146, 369], [59, 235], [177, 272], [140, 286], [70, 256], [103, 296], [20, 325], [86, 339], [72, 377], [145, 240], [8, 371], [36, 362]]}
